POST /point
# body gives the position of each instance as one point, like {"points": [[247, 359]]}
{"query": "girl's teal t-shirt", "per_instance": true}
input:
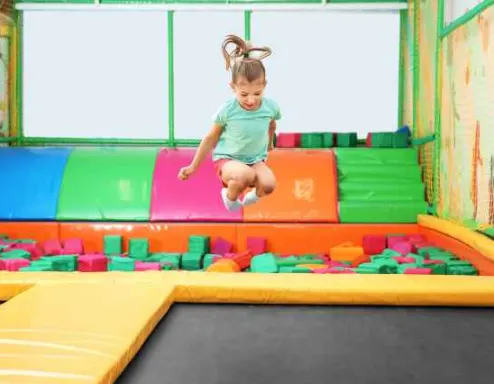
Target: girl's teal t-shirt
{"points": [[245, 133]]}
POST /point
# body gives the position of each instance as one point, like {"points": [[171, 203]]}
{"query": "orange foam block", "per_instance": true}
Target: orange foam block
{"points": [[346, 252], [306, 188], [224, 266]]}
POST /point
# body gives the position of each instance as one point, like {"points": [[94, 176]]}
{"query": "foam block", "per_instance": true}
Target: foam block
{"points": [[257, 245], [395, 239], [402, 247], [33, 249], [73, 246], [13, 264], [32, 180], [124, 264], [374, 244], [288, 140], [221, 246], [197, 199], [264, 263], [418, 271], [52, 247], [243, 259], [224, 266], [112, 245], [139, 248], [346, 252], [143, 266], [15, 254], [199, 244], [92, 263], [63, 263]]}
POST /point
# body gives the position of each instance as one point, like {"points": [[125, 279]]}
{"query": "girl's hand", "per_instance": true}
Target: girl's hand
{"points": [[185, 172]]}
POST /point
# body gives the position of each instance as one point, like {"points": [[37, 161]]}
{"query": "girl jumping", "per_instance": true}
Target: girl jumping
{"points": [[243, 129]]}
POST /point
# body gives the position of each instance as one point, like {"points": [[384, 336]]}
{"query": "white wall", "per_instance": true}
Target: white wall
{"points": [[104, 74], [453, 9]]}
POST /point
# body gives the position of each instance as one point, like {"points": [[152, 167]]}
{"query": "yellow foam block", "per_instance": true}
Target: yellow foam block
{"points": [[346, 252], [475, 240]]}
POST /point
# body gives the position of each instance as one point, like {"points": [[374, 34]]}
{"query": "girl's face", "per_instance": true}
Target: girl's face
{"points": [[249, 95]]}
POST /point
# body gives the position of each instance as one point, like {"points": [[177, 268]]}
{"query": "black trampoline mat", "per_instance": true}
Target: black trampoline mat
{"points": [[246, 344]]}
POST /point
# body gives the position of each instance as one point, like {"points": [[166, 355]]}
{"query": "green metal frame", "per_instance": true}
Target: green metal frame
{"points": [[401, 78]]}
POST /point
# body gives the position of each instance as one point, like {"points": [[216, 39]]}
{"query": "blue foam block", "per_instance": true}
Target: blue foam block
{"points": [[31, 180]]}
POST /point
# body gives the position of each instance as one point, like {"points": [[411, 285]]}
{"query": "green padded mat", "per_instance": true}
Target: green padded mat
{"points": [[107, 184], [380, 185], [362, 172], [377, 156], [381, 212], [377, 191]]}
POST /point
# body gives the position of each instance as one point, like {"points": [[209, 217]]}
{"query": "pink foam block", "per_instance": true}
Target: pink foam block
{"points": [[416, 238], [32, 248], [13, 264], [196, 199], [418, 271], [52, 247], [257, 245], [221, 246], [142, 266], [404, 259], [92, 263], [73, 247], [334, 263], [373, 244], [288, 140], [424, 244], [403, 247], [392, 240]]}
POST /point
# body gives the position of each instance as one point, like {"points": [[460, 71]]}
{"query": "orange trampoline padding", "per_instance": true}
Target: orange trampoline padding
{"points": [[39, 231], [306, 188]]}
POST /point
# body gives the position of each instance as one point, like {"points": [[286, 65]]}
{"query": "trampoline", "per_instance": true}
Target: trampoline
{"points": [[220, 344]]}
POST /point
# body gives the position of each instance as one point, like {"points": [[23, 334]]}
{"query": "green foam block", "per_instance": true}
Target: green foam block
{"points": [[112, 245], [382, 140], [346, 139], [191, 261], [62, 263], [208, 259], [311, 140], [199, 244], [124, 264], [264, 263], [289, 262], [294, 270], [16, 254], [139, 248]]}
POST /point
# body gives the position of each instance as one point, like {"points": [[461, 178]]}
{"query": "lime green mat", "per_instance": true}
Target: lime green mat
{"points": [[401, 212], [107, 184], [380, 185], [377, 156], [376, 191]]}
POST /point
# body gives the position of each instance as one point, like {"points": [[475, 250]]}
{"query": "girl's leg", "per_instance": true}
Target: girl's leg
{"points": [[237, 177], [265, 183]]}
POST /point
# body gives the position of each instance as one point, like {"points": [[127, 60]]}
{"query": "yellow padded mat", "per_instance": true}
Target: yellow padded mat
{"points": [[85, 328]]}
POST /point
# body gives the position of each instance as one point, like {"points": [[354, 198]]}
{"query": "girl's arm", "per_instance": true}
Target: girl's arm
{"points": [[272, 131], [207, 144]]}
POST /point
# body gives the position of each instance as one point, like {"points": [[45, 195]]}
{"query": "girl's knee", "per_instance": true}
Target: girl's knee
{"points": [[242, 180], [267, 187]]}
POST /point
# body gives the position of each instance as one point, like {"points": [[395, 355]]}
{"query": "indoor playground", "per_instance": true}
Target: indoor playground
{"points": [[372, 261]]}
